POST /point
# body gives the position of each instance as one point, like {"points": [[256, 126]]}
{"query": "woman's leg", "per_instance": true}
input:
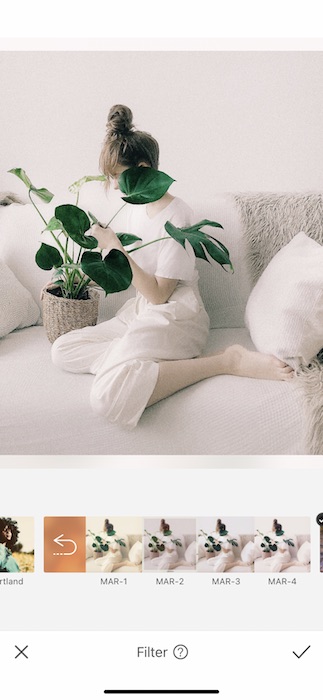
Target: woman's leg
{"points": [[80, 351], [177, 374]]}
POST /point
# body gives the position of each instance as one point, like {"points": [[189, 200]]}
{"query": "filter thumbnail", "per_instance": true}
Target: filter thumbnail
{"points": [[114, 544], [282, 544], [170, 543], [226, 544], [16, 545]]}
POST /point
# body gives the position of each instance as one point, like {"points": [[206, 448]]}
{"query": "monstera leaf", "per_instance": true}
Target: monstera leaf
{"points": [[127, 238], [76, 186], [201, 241], [48, 257], [112, 273], [44, 194], [143, 185], [75, 222]]}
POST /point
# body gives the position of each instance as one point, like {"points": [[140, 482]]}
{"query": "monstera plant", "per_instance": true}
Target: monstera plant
{"points": [[74, 259], [212, 544]]}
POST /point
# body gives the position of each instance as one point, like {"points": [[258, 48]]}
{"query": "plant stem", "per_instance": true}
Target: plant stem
{"points": [[84, 281], [40, 214], [165, 238], [117, 212], [52, 232]]}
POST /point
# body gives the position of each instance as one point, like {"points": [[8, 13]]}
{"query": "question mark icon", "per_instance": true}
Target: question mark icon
{"points": [[180, 651]]}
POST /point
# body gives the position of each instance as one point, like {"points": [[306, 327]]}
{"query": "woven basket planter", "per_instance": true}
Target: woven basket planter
{"points": [[63, 315]]}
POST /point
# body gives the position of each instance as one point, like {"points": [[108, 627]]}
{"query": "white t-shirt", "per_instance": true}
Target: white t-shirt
{"points": [[166, 258]]}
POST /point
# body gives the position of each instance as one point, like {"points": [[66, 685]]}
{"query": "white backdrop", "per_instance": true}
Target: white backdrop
{"points": [[225, 120]]}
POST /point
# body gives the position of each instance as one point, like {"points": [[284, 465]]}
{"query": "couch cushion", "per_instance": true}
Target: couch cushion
{"points": [[20, 237], [284, 312], [44, 410], [17, 307]]}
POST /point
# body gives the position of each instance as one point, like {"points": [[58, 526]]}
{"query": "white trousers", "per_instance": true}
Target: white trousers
{"points": [[165, 561], [277, 561], [124, 353], [221, 561], [109, 561]]}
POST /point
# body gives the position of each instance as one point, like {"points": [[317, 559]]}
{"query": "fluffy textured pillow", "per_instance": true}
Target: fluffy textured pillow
{"points": [[190, 554], [304, 553], [17, 307], [135, 554], [249, 553], [284, 312]]}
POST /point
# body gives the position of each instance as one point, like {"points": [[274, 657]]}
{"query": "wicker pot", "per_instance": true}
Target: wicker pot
{"points": [[265, 555], [97, 555], [209, 555], [153, 555], [63, 315]]}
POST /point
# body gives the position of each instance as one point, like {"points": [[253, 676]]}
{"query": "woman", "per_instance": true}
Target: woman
{"points": [[110, 560], [225, 560], [152, 348], [168, 559], [8, 538], [281, 559]]}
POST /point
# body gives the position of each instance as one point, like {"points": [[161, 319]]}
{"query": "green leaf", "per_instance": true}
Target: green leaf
{"points": [[76, 186], [54, 225], [42, 193], [201, 242], [127, 238], [75, 222], [113, 273], [143, 185], [22, 176], [47, 257]]}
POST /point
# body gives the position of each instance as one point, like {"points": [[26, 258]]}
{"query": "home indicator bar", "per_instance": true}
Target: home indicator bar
{"points": [[162, 692]]}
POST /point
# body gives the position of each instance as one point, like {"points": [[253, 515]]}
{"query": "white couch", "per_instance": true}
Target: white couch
{"points": [[186, 561], [297, 564], [93, 565], [237, 567], [46, 411]]}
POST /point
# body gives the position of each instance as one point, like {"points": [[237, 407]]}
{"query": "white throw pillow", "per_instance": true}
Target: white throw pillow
{"points": [[249, 553], [17, 307], [304, 553], [190, 554], [135, 554], [284, 312]]}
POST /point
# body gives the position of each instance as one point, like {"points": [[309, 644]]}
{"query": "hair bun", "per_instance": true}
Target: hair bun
{"points": [[119, 121]]}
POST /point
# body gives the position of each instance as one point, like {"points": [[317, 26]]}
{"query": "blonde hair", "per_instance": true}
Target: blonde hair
{"points": [[124, 145]]}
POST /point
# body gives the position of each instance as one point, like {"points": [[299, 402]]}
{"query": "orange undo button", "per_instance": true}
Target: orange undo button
{"points": [[64, 544]]}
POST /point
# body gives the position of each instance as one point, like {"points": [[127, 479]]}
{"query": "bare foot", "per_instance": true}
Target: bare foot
{"points": [[257, 365]]}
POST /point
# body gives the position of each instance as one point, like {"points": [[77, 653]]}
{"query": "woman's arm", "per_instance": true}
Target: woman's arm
{"points": [[157, 290]]}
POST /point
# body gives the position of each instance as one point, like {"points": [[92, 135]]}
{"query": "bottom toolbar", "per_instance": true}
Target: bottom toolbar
{"points": [[90, 665]]}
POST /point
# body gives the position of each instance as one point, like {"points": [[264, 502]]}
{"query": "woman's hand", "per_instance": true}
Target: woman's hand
{"points": [[106, 238]]}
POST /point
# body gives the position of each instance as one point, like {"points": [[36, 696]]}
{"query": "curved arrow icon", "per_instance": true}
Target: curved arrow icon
{"points": [[60, 541]]}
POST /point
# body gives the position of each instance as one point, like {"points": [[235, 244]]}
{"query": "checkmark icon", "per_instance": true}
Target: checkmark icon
{"points": [[303, 652]]}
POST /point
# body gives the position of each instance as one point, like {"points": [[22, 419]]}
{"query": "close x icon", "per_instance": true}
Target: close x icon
{"points": [[21, 652]]}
